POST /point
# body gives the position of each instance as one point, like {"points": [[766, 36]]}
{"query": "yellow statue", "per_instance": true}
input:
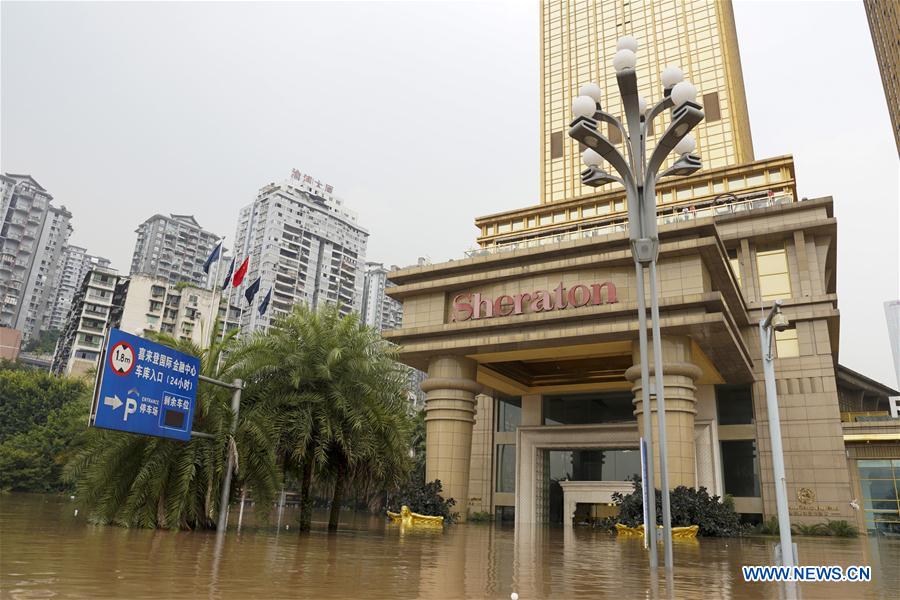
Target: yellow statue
{"points": [[408, 517], [678, 533]]}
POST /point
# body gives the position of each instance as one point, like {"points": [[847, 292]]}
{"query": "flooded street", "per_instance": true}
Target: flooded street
{"points": [[48, 552]]}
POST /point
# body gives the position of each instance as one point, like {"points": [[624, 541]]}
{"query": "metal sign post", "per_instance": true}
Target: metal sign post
{"points": [[147, 388]]}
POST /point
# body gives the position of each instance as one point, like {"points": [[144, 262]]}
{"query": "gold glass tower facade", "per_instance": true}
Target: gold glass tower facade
{"points": [[578, 41], [884, 23]]}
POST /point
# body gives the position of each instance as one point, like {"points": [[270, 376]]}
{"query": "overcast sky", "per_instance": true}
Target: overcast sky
{"points": [[422, 115]]}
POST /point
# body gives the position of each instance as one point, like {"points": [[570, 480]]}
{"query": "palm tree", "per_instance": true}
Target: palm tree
{"points": [[143, 481], [338, 396]]}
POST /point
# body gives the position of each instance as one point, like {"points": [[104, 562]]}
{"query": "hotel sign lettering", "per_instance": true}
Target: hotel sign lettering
{"points": [[475, 306]]}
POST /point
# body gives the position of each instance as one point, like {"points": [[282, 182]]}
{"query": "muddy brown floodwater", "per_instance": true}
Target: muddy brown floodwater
{"points": [[48, 552]]}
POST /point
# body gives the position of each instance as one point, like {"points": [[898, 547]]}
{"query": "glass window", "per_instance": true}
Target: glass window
{"points": [[774, 281], [881, 501], [580, 409], [711, 107], [740, 468], [734, 404], [556, 144], [509, 413], [506, 468], [613, 134], [786, 343]]}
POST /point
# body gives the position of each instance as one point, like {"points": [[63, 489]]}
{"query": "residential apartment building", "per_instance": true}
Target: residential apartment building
{"points": [[173, 248], [884, 25], [578, 41], [379, 311], [94, 305], [33, 236], [76, 263], [137, 304], [305, 245]]}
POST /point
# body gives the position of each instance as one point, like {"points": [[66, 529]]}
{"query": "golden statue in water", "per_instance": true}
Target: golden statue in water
{"points": [[408, 517], [678, 533]]}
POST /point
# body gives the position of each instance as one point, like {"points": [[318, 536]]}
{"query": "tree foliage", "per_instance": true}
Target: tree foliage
{"points": [[338, 399], [28, 398], [143, 481], [43, 343], [33, 460]]}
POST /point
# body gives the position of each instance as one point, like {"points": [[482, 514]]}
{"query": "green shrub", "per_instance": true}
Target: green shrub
{"points": [[768, 527], [841, 529], [812, 529], [606, 524], [424, 499], [28, 398], [689, 507], [480, 517]]}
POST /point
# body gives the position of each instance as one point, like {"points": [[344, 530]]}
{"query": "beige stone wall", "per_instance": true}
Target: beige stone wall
{"points": [[480, 466], [812, 436]]}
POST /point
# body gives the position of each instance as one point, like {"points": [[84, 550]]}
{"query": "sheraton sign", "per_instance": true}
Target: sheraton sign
{"points": [[470, 307]]}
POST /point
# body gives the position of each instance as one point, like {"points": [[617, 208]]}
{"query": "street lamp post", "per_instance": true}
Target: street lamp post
{"points": [[639, 176], [776, 321]]}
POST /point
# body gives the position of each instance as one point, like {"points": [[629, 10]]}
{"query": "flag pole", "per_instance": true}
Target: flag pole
{"points": [[214, 304]]}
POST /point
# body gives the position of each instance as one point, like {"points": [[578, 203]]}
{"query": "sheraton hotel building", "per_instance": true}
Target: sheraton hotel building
{"points": [[533, 408]]}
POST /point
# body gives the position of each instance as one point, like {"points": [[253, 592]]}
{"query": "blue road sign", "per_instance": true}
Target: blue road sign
{"points": [[146, 388]]}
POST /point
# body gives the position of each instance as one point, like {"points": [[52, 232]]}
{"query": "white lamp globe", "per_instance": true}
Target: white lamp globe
{"points": [[627, 42], [683, 92], [642, 104], [591, 158], [685, 145], [584, 106], [624, 59], [591, 90], [671, 76]]}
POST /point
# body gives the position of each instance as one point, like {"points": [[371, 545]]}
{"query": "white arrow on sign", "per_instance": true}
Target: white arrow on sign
{"points": [[112, 401]]}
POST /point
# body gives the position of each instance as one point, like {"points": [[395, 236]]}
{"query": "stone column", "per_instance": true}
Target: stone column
{"points": [[679, 377], [449, 416]]}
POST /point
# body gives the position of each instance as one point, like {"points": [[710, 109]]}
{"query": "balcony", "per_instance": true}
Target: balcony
{"points": [[619, 224], [870, 426]]}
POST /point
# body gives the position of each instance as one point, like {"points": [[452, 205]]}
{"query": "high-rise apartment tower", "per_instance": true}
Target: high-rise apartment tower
{"points": [[174, 248], [76, 263], [304, 245], [33, 236], [578, 41], [884, 24]]}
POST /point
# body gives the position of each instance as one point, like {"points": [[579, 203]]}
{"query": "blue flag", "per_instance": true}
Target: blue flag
{"points": [[265, 303], [228, 275], [251, 290], [213, 257]]}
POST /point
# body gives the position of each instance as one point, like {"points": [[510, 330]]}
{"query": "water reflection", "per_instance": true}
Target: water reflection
{"points": [[47, 552]]}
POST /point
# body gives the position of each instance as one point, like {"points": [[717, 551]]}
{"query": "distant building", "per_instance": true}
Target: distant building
{"points": [[379, 311], [884, 23], [304, 245], [91, 310], [137, 304], [892, 313], [76, 263], [33, 236], [10, 343], [173, 248]]}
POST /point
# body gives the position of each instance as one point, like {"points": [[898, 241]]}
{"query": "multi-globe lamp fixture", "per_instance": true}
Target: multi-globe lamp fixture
{"points": [[638, 174]]}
